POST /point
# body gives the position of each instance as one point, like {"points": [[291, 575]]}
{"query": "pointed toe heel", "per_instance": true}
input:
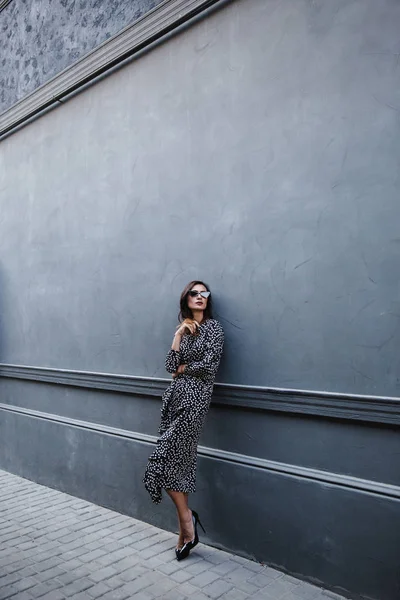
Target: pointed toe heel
{"points": [[186, 548]]}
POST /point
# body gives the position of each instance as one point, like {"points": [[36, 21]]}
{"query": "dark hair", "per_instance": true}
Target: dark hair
{"points": [[185, 312]]}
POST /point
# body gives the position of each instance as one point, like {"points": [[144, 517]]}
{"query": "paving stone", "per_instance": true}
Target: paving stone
{"points": [[16, 566], [66, 578], [155, 549], [102, 574], [275, 587], [49, 563], [239, 575], [23, 584], [161, 587], [83, 571], [257, 567], [118, 594], [128, 562], [116, 581], [41, 589], [7, 592], [181, 576], [172, 595], [195, 567], [215, 557], [288, 595], [68, 565], [263, 595], [200, 596], [143, 596], [49, 574], [138, 584], [153, 563], [217, 588], [261, 580], [7, 580], [235, 594], [204, 579], [169, 568], [92, 555], [187, 589], [57, 547], [167, 556], [306, 591], [131, 573], [82, 596], [273, 573], [147, 541], [22, 596], [97, 590], [225, 567], [247, 587], [79, 585], [106, 560]]}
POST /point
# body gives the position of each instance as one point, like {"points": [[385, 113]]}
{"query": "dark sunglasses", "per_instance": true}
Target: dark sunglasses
{"points": [[195, 293]]}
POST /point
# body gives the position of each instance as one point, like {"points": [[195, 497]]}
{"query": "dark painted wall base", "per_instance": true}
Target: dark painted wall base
{"points": [[331, 526]]}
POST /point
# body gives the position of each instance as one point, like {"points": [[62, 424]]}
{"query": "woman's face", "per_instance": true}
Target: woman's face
{"points": [[197, 302]]}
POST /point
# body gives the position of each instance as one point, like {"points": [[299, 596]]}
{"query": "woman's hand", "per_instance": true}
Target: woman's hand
{"points": [[187, 326], [180, 371]]}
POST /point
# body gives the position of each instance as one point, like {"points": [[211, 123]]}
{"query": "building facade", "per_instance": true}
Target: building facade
{"points": [[253, 144]]}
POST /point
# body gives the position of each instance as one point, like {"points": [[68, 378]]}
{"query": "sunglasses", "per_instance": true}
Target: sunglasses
{"points": [[195, 293]]}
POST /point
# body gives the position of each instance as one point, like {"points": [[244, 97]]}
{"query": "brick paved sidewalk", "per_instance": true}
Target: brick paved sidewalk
{"points": [[55, 547]]}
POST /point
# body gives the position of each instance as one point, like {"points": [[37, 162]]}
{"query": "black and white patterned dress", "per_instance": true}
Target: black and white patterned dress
{"points": [[172, 465]]}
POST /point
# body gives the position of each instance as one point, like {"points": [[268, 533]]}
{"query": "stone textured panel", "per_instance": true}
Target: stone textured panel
{"points": [[40, 38]]}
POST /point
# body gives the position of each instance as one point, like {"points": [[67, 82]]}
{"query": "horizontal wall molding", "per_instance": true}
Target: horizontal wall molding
{"points": [[376, 409], [290, 470], [150, 28], [3, 4]]}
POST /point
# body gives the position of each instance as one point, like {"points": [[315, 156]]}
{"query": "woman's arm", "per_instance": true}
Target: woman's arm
{"points": [[176, 342], [173, 357], [208, 366]]}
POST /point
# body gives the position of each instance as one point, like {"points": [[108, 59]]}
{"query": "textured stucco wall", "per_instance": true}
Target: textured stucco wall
{"points": [[39, 38], [258, 150]]}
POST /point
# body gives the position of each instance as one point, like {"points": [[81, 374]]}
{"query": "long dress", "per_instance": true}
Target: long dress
{"points": [[172, 465]]}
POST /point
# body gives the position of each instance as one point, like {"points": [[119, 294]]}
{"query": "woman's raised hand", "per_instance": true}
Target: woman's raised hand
{"points": [[187, 326]]}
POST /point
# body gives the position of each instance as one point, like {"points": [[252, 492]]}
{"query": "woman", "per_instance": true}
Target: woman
{"points": [[193, 361]]}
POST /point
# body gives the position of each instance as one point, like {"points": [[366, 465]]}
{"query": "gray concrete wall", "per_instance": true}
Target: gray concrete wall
{"points": [[40, 38], [259, 150]]}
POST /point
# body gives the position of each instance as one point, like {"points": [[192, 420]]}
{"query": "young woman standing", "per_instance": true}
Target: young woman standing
{"points": [[193, 361]]}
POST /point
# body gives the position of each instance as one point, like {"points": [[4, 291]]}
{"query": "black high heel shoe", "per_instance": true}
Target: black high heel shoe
{"points": [[186, 548]]}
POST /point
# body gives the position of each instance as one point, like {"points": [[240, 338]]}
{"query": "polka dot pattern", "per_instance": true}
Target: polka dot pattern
{"points": [[172, 466]]}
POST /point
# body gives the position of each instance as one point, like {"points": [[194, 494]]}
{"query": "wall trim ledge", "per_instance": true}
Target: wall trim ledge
{"points": [[290, 470], [376, 409], [148, 29], [3, 4]]}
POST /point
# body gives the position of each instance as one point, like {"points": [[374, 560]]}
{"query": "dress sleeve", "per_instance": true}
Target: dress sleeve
{"points": [[207, 367], [172, 361]]}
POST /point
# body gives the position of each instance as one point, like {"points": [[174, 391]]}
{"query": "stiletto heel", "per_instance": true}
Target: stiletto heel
{"points": [[186, 548], [197, 520]]}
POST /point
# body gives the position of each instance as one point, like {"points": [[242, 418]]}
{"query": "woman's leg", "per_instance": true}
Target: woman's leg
{"points": [[186, 529]]}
